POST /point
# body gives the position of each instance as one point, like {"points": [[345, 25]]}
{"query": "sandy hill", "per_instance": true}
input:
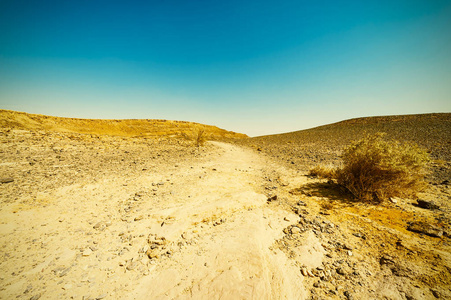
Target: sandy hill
{"points": [[132, 127], [324, 144]]}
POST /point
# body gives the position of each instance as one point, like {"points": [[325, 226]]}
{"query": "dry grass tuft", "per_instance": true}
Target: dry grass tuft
{"points": [[200, 137], [327, 172], [375, 169]]}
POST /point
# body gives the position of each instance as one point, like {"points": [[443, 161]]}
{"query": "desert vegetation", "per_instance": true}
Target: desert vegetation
{"points": [[323, 145], [375, 169], [197, 136]]}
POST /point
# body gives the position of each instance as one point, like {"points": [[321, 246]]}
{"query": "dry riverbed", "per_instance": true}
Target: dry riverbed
{"points": [[99, 217]]}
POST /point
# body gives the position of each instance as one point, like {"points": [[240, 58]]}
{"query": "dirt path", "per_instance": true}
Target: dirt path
{"points": [[205, 225], [227, 231], [103, 217]]}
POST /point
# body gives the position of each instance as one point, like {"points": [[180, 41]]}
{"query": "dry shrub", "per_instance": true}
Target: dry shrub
{"points": [[375, 169], [199, 137], [327, 172], [196, 135]]}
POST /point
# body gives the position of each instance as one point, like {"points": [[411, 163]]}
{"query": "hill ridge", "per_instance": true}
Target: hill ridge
{"points": [[115, 127]]}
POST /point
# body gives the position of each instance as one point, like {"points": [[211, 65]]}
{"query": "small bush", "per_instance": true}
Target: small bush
{"points": [[375, 169], [199, 137]]}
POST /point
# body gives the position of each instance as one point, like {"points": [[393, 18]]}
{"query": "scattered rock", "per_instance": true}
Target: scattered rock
{"points": [[187, 236], [386, 260], [36, 297], [295, 230], [393, 200], [131, 265], [87, 252], [341, 271], [153, 253], [435, 293], [427, 204], [348, 295], [425, 228], [218, 222], [273, 198], [100, 226], [347, 247], [28, 289], [139, 218], [64, 272], [6, 180]]}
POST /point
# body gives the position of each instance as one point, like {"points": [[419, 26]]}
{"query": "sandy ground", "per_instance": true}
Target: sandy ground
{"points": [[90, 217], [205, 225]]}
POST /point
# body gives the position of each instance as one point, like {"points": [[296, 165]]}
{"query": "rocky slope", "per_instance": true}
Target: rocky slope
{"points": [[138, 127], [323, 145]]}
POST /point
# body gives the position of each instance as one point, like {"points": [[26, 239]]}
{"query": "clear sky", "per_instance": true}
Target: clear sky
{"points": [[256, 67]]}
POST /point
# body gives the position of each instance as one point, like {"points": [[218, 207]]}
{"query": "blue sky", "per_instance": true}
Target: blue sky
{"points": [[256, 67]]}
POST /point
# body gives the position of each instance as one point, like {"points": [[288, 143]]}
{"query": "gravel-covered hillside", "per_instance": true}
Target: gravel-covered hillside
{"points": [[323, 145]]}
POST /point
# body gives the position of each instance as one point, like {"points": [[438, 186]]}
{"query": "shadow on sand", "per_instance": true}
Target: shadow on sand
{"points": [[330, 190]]}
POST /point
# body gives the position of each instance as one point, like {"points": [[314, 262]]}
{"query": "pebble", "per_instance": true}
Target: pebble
{"points": [[341, 271], [348, 295], [6, 180], [295, 230], [425, 228], [64, 272], [36, 297], [100, 226], [187, 236], [393, 200], [347, 247], [87, 252], [132, 265], [28, 289], [435, 293], [273, 198], [427, 204]]}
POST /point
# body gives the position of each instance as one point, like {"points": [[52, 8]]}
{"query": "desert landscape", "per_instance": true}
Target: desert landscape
{"points": [[136, 209]]}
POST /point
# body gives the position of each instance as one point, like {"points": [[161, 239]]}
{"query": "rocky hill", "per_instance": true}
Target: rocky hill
{"points": [[131, 127], [323, 145]]}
